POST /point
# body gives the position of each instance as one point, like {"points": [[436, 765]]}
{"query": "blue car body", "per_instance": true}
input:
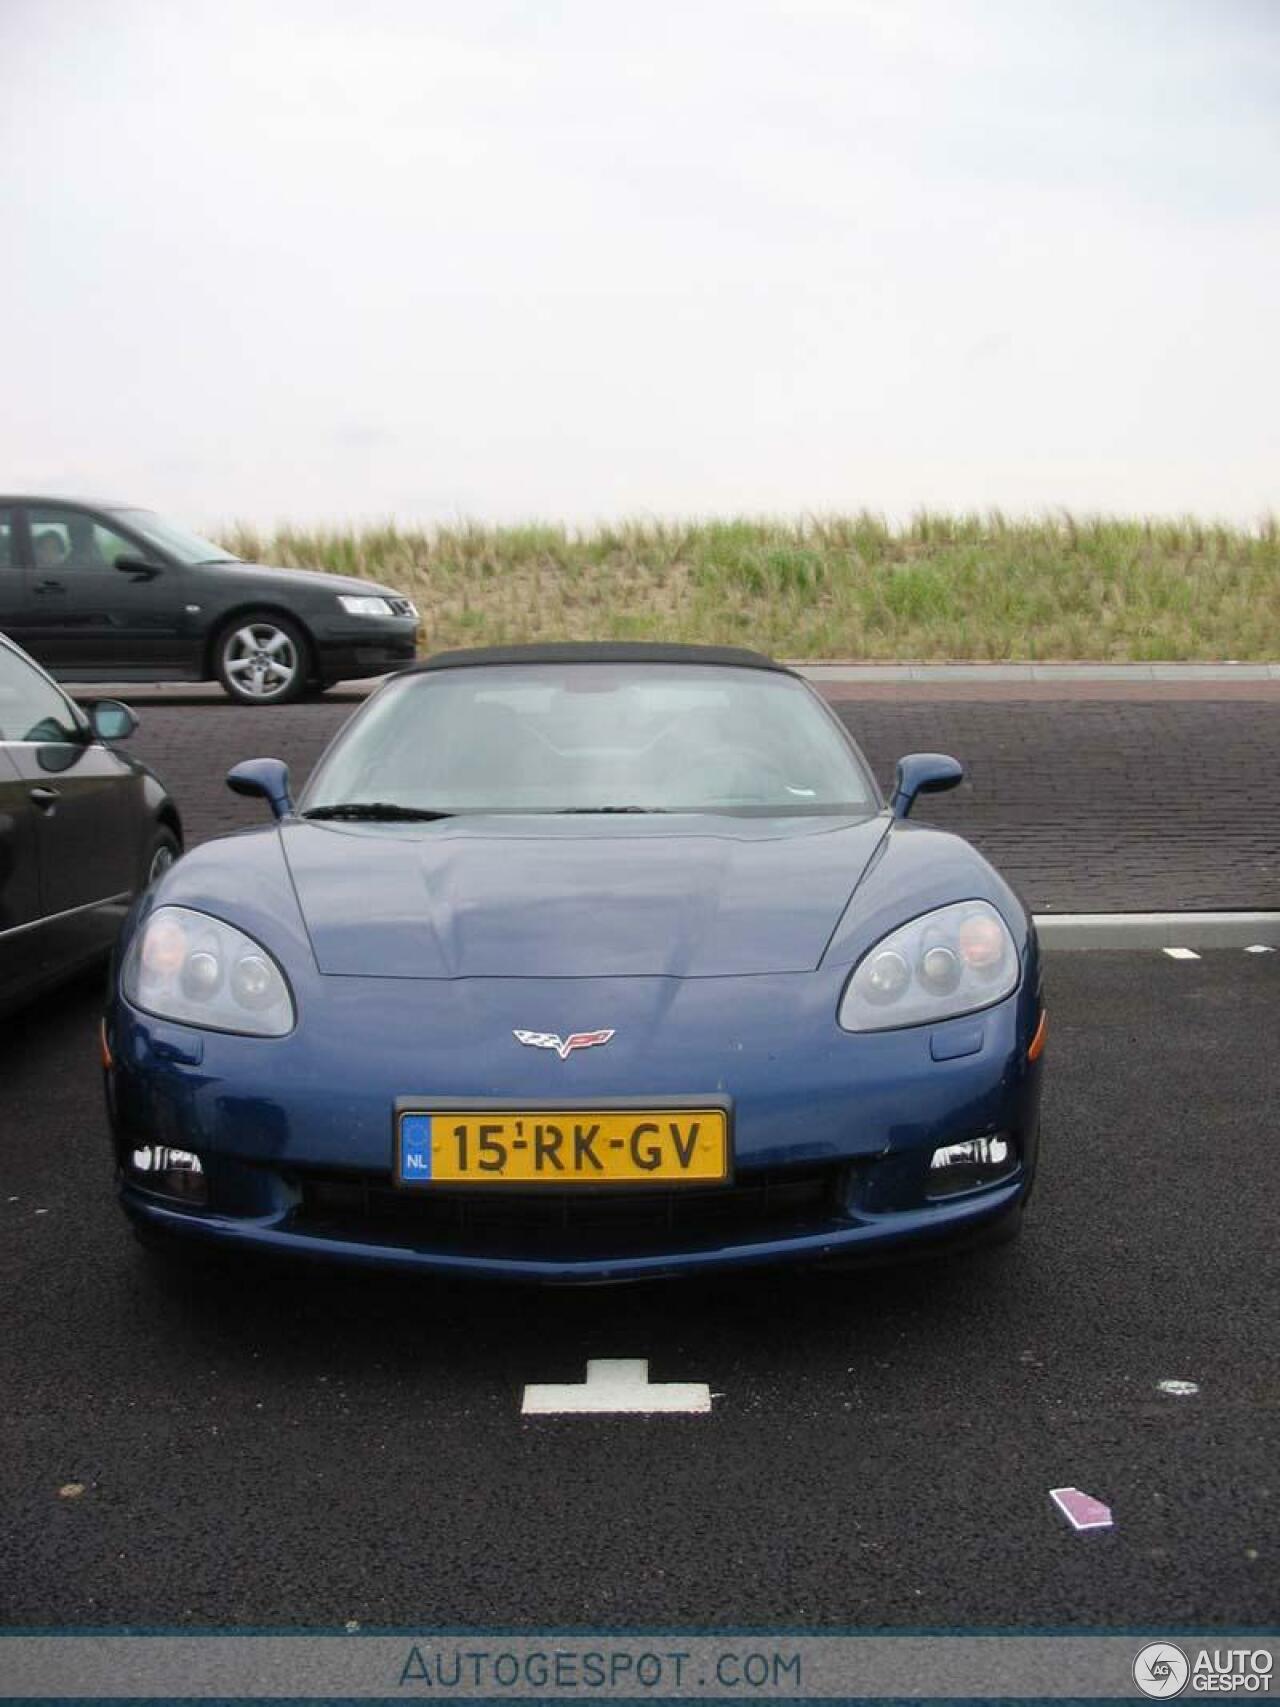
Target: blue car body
{"points": [[715, 950]]}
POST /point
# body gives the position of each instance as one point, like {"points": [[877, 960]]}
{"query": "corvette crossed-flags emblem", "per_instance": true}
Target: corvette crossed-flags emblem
{"points": [[563, 1046]]}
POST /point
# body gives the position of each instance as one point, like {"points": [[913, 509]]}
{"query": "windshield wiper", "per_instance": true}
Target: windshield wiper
{"points": [[566, 811], [373, 810]]}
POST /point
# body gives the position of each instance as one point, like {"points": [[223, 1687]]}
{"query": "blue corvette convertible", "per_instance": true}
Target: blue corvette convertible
{"points": [[580, 963]]}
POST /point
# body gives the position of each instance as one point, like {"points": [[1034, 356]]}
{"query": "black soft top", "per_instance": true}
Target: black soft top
{"points": [[600, 652]]}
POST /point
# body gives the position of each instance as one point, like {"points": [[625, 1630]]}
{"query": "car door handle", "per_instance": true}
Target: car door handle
{"points": [[49, 585], [46, 798]]}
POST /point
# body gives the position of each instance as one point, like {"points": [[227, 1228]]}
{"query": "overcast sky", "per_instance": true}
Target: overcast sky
{"points": [[581, 259]]}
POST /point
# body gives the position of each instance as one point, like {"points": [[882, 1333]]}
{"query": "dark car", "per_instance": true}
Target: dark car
{"points": [[580, 963], [108, 593], [83, 829]]}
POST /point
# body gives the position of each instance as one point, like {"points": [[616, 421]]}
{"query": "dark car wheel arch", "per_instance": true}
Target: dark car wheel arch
{"points": [[164, 848]]}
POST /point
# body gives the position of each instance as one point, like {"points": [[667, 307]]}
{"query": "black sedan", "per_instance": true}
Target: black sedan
{"points": [[83, 829], [107, 593]]}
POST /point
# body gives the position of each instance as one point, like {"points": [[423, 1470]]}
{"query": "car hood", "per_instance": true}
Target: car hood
{"points": [[490, 897], [273, 575]]}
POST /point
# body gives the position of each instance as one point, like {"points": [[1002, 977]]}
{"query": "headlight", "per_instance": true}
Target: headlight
{"points": [[364, 604], [200, 971], [948, 962]]}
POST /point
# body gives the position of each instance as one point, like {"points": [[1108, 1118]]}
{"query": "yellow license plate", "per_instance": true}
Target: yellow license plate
{"points": [[562, 1147]]}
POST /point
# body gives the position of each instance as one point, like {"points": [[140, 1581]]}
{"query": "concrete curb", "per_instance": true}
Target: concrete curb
{"points": [[1158, 930], [1039, 672], [831, 674]]}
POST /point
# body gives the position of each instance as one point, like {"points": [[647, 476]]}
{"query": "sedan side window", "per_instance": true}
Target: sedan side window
{"points": [[31, 708], [70, 539], [8, 544]]}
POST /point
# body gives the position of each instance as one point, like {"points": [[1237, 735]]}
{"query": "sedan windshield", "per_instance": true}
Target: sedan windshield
{"points": [[179, 542], [592, 738]]}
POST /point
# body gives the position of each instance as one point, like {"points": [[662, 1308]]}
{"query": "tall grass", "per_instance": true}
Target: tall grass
{"points": [[943, 586]]}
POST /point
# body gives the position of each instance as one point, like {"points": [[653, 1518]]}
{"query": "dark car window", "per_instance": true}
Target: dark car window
{"points": [[595, 738], [73, 539], [31, 708], [180, 543], [8, 544]]}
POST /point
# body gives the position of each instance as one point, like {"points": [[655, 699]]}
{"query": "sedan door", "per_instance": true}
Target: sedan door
{"points": [[87, 818], [85, 613], [21, 953]]}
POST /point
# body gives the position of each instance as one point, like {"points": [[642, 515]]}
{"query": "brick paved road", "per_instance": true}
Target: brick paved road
{"points": [[1096, 805], [1085, 803]]}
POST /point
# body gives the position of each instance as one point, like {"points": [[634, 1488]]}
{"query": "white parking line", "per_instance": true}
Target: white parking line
{"points": [[1193, 929], [617, 1385], [1259, 948], [1182, 954]]}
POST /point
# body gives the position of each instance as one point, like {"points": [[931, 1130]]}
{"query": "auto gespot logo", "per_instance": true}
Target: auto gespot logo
{"points": [[1163, 1670]]}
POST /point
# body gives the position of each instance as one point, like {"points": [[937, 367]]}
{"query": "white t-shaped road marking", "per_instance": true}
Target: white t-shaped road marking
{"points": [[617, 1384]]}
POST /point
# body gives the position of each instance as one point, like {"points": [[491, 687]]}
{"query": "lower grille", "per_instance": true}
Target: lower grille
{"points": [[366, 1208]]}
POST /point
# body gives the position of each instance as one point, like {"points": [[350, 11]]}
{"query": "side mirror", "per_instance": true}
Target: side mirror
{"points": [[923, 773], [111, 719], [132, 563], [267, 779]]}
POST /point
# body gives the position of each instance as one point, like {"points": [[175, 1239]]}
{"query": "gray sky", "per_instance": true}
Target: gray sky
{"points": [[580, 259]]}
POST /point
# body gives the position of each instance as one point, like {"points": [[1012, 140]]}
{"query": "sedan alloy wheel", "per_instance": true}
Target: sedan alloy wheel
{"points": [[260, 661]]}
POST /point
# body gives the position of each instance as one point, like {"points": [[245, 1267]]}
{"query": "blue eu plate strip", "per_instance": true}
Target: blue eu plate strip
{"points": [[415, 1146]]}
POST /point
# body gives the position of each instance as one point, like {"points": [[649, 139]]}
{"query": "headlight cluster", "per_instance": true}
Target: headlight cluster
{"points": [[947, 962], [189, 967], [365, 604]]}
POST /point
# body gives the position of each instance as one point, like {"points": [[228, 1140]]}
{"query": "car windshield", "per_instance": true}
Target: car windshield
{"points": [[178, 541], [593, 738]]}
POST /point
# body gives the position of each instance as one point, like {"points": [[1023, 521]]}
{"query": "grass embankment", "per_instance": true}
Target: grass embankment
{"points": [[941, 587]]}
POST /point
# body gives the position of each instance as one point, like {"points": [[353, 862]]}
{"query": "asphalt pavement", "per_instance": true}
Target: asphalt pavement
{"points": [[256, 1447], [1119, 803]]}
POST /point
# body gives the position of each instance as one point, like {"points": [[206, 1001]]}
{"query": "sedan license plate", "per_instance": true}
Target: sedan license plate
{"points": [[561, 1147]]}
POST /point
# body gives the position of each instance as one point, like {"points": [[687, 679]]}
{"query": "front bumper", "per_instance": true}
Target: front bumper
{"points": [[877, 1238], [831, 1147], [352, 647]]}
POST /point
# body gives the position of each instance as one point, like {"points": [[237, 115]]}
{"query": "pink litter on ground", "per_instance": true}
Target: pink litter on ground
{"points": [[1081, 1511]]}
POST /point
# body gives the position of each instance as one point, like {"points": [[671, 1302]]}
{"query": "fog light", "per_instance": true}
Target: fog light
{"points": [[176, 1173], [976, 1162]]}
